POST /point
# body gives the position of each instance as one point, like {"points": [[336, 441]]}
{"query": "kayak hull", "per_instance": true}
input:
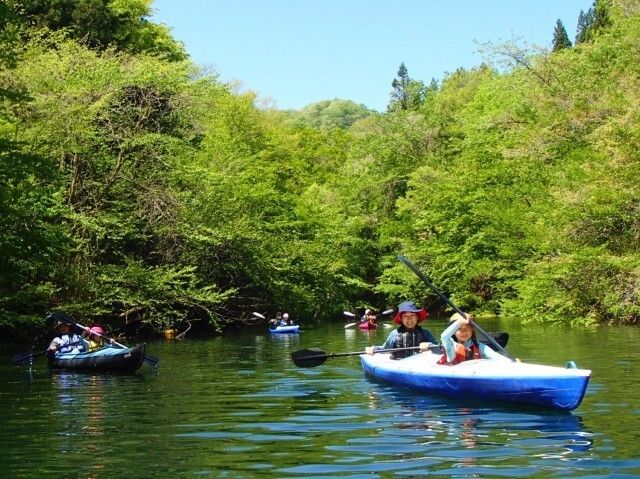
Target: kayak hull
{"points": [[109, 359], [546, 386], [367, 326], [285, 329]]}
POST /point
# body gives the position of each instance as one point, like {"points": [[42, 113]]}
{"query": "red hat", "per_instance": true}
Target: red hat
{"points": [[410, 307], [97, 329]]}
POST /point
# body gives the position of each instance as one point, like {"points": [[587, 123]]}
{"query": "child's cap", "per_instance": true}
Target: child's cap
{"points": [[97, 330], [455, 317]]}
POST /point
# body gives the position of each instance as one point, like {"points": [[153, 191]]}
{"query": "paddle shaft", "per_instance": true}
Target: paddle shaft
{"points": [[88, 330], [420, 275], [150, 359], [24, 357], [358, 353]]}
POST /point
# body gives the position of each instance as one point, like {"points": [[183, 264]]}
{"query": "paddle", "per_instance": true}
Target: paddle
{"points": [[24, 357], [310, 358], [385, 313], [347, 314], [420, 275], [352, 316], [66, 319]]}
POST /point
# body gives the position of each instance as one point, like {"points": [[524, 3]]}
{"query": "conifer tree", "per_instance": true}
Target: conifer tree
{"points": [[399, 96], [584, 23], [560, 37], [594, 21], [407, 94]]}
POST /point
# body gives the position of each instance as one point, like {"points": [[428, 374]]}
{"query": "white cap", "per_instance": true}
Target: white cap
{"points": [[455, 317], [285, 315], [367, 311]]}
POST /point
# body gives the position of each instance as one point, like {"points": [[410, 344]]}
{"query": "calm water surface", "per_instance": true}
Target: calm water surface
{"points": [[238, 407]]}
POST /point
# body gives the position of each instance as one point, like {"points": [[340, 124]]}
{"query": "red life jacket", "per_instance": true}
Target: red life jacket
{"points": [[462, 354]]}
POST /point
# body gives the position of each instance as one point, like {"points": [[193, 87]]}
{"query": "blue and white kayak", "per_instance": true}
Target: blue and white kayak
{"points": [[292, 328], [108, 359], [483, 379]]}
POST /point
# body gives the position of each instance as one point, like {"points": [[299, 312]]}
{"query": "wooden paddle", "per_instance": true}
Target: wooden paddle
{"points": [[410, 265], [312, 357], [66, 319]]}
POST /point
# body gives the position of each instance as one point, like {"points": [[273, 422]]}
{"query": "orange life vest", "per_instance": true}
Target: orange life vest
{"points": [[462, 354]]}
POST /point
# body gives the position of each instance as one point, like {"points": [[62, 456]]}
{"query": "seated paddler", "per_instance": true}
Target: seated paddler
{"points": [[460, 343], [66, 340], [95, 338], [409, 334]]}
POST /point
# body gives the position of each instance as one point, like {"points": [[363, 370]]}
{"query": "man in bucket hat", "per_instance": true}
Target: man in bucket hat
{"points": [[408, 334], [66, 341]]}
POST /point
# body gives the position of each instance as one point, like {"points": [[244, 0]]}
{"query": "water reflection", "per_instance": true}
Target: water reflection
{"points": [[349, 338], [236, 406], [81, 416]]}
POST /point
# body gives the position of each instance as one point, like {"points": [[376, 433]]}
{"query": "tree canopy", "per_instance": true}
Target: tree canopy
{"points": [[130, 180]]}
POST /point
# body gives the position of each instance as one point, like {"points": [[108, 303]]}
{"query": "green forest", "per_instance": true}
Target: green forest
{"points": [[133, 181]]}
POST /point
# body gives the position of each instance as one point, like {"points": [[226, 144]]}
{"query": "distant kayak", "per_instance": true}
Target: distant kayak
{"points": [[293, 328], [109, 359], [483, 379], [367, 325]]}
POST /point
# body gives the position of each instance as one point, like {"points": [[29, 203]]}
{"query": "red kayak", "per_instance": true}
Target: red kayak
{"points": [[367, 325]]}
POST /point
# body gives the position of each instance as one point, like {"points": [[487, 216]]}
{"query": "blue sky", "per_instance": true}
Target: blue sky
{"points": [[296, 52]]}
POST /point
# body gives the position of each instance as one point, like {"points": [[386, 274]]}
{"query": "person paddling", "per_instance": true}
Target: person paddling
{"points": [[95, 338], [66, 341], [368, 317], [460, 343], [408, 334]]}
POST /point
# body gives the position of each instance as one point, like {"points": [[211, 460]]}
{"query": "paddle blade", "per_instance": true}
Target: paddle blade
{"points": [[151, 360], [258, 315], [60, 316], [349, 314], [308, 358], [21, 358], [349, 326], [501, 338], [386, 312]]}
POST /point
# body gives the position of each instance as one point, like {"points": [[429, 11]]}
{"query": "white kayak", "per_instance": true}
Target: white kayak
{"points": [[484, 379]]}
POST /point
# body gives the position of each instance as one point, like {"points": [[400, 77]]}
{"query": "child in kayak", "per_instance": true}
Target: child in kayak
{"points": [[460, 343], [95, 338], [408, 334]]}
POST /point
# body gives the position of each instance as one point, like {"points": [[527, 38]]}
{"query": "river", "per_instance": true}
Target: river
{"points": [[237, 407]]}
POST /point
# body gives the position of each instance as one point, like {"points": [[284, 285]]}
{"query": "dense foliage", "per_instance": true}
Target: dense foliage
{"points": [[132, 181]]}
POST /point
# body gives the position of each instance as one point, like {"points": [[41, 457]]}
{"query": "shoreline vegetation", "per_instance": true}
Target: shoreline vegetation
{"points": [[136, 186]]}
